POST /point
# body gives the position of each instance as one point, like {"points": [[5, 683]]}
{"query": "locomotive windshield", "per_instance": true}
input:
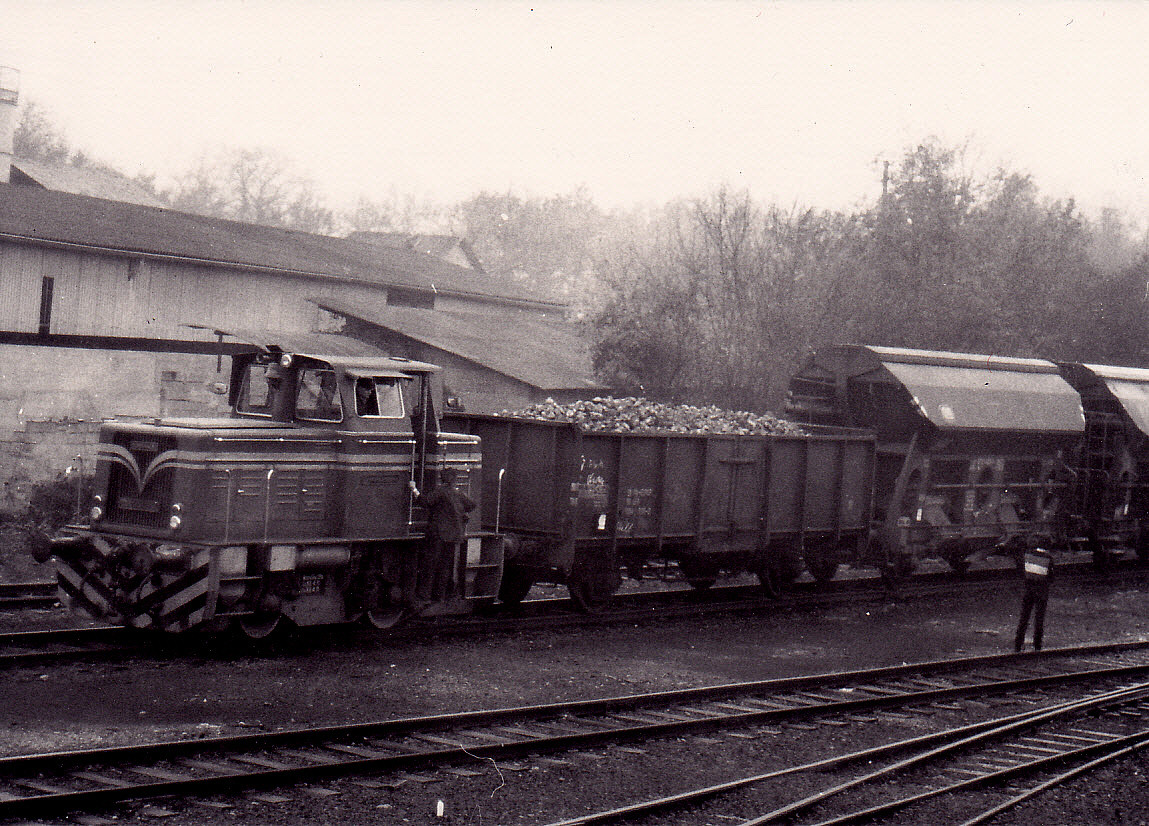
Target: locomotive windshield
{"points": [[317, 397], [257, 393]]}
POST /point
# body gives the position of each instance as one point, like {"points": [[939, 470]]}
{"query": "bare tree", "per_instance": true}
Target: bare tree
{"points": [[257, 186]]}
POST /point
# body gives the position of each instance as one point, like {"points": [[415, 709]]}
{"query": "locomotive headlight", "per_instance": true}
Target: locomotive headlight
{"points": [[285, 361], [97, 511], [175, 520]]}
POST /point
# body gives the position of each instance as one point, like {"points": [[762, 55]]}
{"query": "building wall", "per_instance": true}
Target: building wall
{"points": [[52, 399]]}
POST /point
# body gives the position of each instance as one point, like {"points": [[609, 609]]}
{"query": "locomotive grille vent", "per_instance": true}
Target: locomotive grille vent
{"points": [[128, 503]]}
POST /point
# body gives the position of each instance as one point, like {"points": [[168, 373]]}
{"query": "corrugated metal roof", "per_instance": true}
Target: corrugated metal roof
{"points": [[992, 398], [543, 352], [60, 217]]}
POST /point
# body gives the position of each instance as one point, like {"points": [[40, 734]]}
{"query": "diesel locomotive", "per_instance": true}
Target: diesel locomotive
{"points": [[295, 507]]}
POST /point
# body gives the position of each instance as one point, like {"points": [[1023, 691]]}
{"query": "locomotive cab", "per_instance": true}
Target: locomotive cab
{"points": [[295, 507]]}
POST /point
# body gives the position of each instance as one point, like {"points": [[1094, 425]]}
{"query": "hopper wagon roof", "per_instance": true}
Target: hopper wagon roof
{"points": [[969, 392], [1129, 385]]}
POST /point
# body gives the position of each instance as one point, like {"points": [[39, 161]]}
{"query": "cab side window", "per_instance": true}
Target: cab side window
{"points": [[318, 396], [379, 397]]}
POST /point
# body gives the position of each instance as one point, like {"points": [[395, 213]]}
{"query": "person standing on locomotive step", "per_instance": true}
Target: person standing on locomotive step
{"points": [[447, 513], [1038, 570]]}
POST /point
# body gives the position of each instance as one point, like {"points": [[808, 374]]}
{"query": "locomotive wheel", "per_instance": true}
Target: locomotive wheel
{"points": [[260, 626], [516, 584], [384, 618]]}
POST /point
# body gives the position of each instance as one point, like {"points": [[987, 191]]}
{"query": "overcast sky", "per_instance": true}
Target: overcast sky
{"points": [[641, 102]]}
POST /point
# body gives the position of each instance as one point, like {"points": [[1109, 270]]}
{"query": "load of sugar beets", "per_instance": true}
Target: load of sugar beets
{"points": [[638, 415]]}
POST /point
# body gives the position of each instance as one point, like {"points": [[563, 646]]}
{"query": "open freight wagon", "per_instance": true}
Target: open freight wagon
{"points": [[580, 507]]}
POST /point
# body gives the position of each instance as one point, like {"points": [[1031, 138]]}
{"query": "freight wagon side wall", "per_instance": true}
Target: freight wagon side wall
{"points": [[522, 484], [657, 489]]}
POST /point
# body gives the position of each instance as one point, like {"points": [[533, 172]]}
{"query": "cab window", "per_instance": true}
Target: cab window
{"points": [[257, 393], [379, 397], [318, 396]]}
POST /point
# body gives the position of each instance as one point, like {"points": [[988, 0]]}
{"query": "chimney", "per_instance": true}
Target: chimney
{"points": [[9, 96]]}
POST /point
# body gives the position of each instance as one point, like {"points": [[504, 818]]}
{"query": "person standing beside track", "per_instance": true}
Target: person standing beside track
{"points": [[1038, 570], [447, 513]]}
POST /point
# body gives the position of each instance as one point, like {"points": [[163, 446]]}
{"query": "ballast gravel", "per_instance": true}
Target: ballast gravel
{"points": [[320, 678]]}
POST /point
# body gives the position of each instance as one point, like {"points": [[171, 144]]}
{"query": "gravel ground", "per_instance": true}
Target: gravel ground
{"points": [[321, 680]]}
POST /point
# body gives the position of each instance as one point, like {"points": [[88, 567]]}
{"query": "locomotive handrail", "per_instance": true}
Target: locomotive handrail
{"points": [[499, 498]]}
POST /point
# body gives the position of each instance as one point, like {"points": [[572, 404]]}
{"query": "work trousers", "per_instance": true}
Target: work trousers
{"points": [[436, 569], [1035, 599]]}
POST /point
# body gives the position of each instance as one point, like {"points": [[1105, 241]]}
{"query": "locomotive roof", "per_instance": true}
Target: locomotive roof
{"points": [[350, 354]]}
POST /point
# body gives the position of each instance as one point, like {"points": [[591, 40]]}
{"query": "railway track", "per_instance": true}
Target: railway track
{"points": [[27, 595], [1049, 686], [43, 647], [1022, 755]]}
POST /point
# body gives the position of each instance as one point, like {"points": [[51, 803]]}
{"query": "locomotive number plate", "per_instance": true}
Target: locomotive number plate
{"points": [[133, 503]]}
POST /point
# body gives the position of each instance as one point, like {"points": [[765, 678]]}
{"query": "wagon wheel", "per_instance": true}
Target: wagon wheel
{"points": [[822, 562], [699, 575], [955, 552], [772, 580], [517, 583], [593, 580], [584, 595], [777, 566], [588, 592]]}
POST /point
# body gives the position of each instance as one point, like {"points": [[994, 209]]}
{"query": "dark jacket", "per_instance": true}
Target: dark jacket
{"points": [[447, 511]]}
